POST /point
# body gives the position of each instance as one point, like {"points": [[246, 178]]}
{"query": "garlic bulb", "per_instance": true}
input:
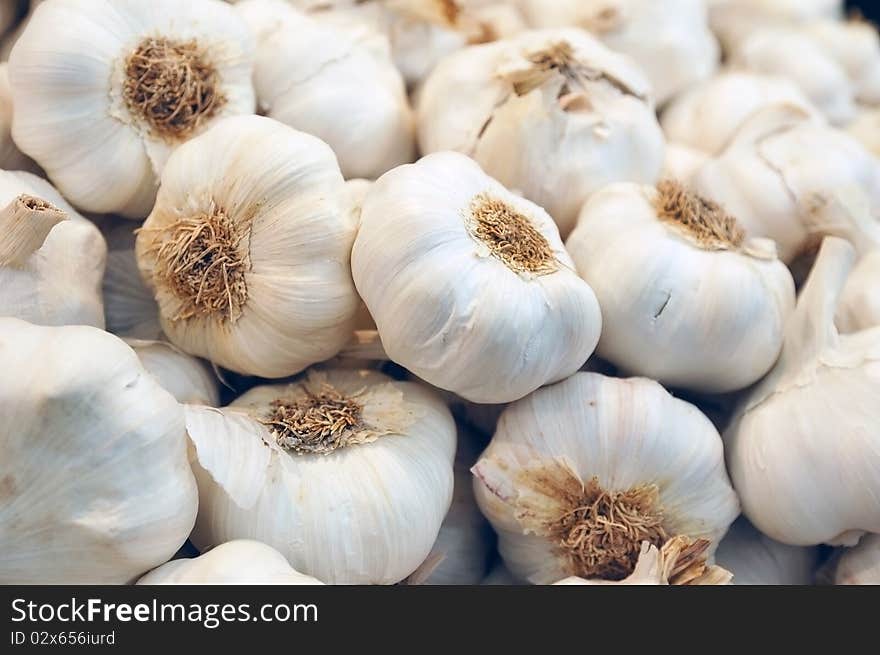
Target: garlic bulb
{"points": [[755, 559], [477, 295], [579, 474], [860, 565], [337, 84], [240, 562], [680, 561], [804, 449], [347, 474], [11, 158], [708, 115], [96, 485], [247, 249], [129, 307], [186, 378], [855, 46], [793, 54], [778, 159], [866, 129], [682, 162], [553, 114], [686, 299], [670, 40], [105, 90], [51, 258]]}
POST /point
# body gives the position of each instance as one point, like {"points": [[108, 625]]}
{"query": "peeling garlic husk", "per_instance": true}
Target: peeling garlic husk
{"points": [[239, 562], [567, 455], [82, 112], [362, 504], [707, 116], [97, 485], [188, 379], [779, 158], [860, 565], [553, 114], [670, 40], [51, 258], [803, 448], [479, 297], [680, 561], [686, 299], [338, 84], [280, 296], [755, 559]]}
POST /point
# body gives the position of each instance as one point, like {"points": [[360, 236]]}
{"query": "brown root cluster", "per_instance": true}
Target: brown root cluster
{"points": [[510, 236], [703, 220], [316, 422], [171, 86], [203, 260], [603, 534]]}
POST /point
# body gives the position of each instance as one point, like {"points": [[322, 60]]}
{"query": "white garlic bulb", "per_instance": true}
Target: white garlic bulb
{"points": [[686, 299], [96, 484], [780, 158], [11, 158], [670, 40], [579, 474], [682, 162], [469, 284], [105, 90], [188, 379], [552, 113], [803, 450], [337, 84], [239, 562], [330, 471], [860, 565], [130, 310], [51, 258], [247, 248], [792, 54], [755, 559], [866, 129], [708, 115], [855, 46], [680, 561]]}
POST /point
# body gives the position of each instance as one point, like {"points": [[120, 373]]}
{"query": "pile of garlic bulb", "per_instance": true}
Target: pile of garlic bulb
{"points": [[439, 292]]}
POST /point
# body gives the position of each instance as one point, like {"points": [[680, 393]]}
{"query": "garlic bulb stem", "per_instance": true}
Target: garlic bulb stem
{"points": [[24, 225]]}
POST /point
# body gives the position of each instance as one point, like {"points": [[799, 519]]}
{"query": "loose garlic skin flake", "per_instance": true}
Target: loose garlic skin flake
{"points": [[579, 474], [860, 565], [347, 474], [51, 258], [338, 84], [804, 448], [247, 249], [469, 284], [686, 300], [97, 487], [105, 90], [240, 562], [551, 113]]}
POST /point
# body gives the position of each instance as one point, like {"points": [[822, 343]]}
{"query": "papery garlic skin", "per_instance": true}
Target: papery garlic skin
{"points": [[860, 300], [802, 451], [188, 379], [777, 161], [74, 78], [365, 512], [689, 306], [239, 562], [55, 278], [454, 308], [629, 437], [670, 40], [792, 54], [338, 84], [708, 115], [755, 559], [860, 565], [98, 488], [550, 113], [275, 197]]}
